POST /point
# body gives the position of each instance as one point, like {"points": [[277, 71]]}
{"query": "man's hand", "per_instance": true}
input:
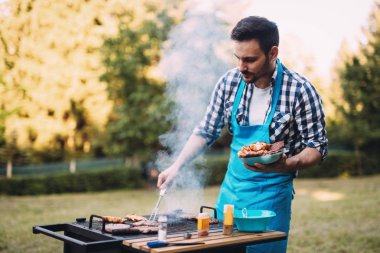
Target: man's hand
{"points": [[308, 157], [279, 166], [166, 177]]}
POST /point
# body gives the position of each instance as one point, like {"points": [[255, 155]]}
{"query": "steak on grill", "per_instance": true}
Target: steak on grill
{"points": [[110, 228], [145, 223]]}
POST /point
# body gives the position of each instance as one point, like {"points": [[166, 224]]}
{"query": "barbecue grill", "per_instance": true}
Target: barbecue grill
{"points": [[89, 235], [82, 236]]}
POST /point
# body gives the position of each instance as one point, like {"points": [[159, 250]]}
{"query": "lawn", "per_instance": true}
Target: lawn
{"points": [[328, 215]]}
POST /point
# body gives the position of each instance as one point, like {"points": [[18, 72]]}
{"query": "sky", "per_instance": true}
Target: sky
{"points": [[318, 27]]}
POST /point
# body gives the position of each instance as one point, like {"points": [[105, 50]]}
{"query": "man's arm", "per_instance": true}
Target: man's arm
{"points": [[310, 121], [194, 145], [203, 135], [306, 158]]}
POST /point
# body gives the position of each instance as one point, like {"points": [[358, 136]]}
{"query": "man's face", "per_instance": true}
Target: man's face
{"points": [[252, 62]]}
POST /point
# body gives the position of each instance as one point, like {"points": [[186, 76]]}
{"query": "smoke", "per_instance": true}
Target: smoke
{"points": [[194, 59]]}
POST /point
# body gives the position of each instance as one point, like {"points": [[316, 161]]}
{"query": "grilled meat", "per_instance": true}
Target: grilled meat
{"points": [[113, 219], [111, 227], [145, 223], [147, 229], [124, 229], [260, 149], [134, 217], [276, 147]]}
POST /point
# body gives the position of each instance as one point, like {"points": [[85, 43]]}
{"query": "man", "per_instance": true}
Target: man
{"points": [[261, 100]]}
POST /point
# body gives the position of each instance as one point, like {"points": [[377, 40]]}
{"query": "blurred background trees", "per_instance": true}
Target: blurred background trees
{"points": [[54, 103], [359, 127], [140, 108], [78, 80]]}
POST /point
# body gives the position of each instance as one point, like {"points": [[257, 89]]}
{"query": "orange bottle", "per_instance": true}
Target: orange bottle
{"points": [[203, 224], [228, 219]]}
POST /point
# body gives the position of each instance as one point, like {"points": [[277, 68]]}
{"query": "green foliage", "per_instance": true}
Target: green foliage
{"points": [[338, 163], [215, 167], [360, 80], [140, 109], [78, 182], [50, 68]]}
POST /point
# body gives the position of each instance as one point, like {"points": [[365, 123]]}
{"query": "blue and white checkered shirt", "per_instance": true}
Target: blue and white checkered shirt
{"points": [[299, 119]]}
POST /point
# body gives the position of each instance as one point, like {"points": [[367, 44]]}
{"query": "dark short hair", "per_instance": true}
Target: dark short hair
{"points": [[259, 28]]}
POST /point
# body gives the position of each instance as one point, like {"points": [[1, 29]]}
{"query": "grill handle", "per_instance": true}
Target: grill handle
{"points": [[209, 207], [100, 217], [51, 233]]}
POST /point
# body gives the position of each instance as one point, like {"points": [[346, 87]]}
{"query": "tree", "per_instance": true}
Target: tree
{"points": [[360, 81], [51, 67], [140, 108], [51, 64]]}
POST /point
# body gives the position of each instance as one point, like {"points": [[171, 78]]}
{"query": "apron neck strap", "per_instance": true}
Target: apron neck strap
{"points": [[237, 99], [275, 95], [276, 92]]}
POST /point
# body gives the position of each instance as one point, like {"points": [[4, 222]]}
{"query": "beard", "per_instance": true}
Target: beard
{"points": [[251, 77]]}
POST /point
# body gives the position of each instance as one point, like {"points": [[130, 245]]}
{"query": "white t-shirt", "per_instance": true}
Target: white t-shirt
{"points": [[259, 105]]}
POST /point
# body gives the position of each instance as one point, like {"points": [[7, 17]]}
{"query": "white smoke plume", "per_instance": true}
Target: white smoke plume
{"points": [[196, 55]]}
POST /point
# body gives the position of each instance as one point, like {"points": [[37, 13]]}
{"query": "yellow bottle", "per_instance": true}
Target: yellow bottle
{"points": [[203, 224], [228, 219]]}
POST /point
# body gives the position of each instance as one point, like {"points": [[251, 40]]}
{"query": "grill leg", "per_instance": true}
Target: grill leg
{"points": [[70, 248]]}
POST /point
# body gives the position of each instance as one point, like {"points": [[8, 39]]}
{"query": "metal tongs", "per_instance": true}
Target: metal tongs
{"points": [[153, 215]]}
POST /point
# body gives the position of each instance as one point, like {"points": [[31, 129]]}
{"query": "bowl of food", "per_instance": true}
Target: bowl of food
{"points": [[261, 152], [252, 220]]}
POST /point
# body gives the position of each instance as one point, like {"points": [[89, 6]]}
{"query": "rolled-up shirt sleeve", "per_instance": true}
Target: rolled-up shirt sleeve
{"points": [[214, 120], [310, 119]]}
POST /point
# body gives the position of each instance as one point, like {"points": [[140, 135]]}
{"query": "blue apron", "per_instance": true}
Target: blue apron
{"points": [[255, 190]]}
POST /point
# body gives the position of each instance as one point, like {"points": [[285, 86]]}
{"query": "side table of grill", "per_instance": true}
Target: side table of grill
{"points": [[215, 242]]}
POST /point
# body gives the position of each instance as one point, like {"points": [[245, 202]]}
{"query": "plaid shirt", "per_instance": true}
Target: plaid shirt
{"points": [[298, 120]]}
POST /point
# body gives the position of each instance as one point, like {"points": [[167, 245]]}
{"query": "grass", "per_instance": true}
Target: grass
{"points": [[328, 215]]}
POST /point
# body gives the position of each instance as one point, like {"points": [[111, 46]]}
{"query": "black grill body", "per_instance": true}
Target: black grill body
{"points": [[84, 236]]}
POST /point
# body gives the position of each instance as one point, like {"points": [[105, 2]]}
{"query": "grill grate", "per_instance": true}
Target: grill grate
{"points": [[174, 227]]}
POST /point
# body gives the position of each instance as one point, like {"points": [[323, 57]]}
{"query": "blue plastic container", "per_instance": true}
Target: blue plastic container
{"points": [[265, 159], [253, 220]]}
